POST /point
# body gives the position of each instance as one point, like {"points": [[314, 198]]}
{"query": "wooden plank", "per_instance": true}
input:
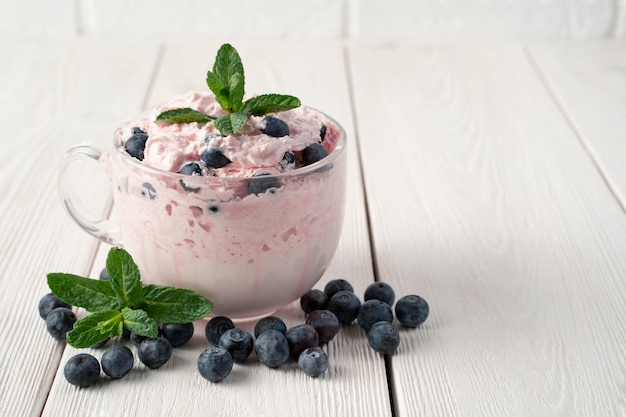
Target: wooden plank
{"points": [[588, 79], [355, 384], [49, 103], [483, 201]]}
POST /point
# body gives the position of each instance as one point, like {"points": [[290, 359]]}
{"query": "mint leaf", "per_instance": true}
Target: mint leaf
{"points": [[174, 305], [138, 321], [184, 115], [227, 79], [95, 328], [269, 103], [91, 294], [124, 277], [231, 123]]}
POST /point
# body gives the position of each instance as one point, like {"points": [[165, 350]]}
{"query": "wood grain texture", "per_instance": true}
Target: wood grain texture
{"points": [[483, 201], [355, 384], [49, 103], [588, 81]]}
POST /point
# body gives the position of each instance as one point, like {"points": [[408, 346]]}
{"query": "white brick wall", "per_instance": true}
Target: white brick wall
{"points": [[372, 20]]}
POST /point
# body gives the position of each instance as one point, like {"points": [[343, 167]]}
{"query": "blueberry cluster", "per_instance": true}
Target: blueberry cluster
{"points": [[374, 315], [273, 344], [117, 360]]}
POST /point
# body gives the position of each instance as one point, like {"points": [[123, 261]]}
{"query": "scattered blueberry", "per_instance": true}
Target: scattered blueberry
{"points": [[323, 132], [301, 337], [275, 127], [82, 370], [137, 339], [216, 327], [373, 311], [313, 361], [345, 305], [325, 323], [148, 190], [49, 302], [380, 291], [192, 168], [136, 144], [60, 321], [269, 323], [336, 285], [383, 337], [215, 364], [262, 183], [214, 158], [288, 162], [272, 348], [313, 153], [177, 334], [314, 300], [117, 361], [104, 275], [101, 344], [412, 310], [238, 343], [154, 352]]}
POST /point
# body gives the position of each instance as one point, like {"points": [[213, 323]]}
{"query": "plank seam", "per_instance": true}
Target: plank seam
{"points": [[534, 63]]}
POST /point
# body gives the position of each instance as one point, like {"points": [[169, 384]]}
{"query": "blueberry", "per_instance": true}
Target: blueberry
{"points": [[323, 132], [214, 208], [313, 153], [412, 310], [117, 361], [380, 291], [215, 364], [337, 285], [49, 302], [136, 144], [272, 348], [192, 168], [262, 183], [137, 339], [154, 353], [214, 158], [288, 162], [100, 344], [137, 129], [325, 323], [60, 321], [238, 343], [345, 305], [314, 300], [82, 370], [104, 275], [275, 127], [313, 361], [216, 327], [177, 334], [301, 337], [269, 323], [383, 337], [148, 190], [373, 311]]}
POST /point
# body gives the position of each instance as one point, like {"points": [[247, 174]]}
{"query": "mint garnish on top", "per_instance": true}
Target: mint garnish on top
{"points": [[124, 302], [227, 82]]}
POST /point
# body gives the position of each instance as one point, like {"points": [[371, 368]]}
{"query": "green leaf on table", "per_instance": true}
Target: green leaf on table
{"points": [[95, 328], [227, 80], [174, 305], [269, 103], [124, 277], [138, 321], [184, 115], [231, 123], [90, 294]]}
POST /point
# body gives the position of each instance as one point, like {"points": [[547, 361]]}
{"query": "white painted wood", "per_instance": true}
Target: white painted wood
{"points": [[38, 17], [483, 201], [355, 384], [55, 95], [589, 81]]}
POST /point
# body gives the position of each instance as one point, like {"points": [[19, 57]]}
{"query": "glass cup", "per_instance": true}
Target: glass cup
{"points": [[250, 245]]}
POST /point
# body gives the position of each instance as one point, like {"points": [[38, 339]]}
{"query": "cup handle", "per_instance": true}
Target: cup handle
{"points": [[102, 229]]}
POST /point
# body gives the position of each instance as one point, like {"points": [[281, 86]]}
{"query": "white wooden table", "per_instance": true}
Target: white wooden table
{"points": [[490, 179]]}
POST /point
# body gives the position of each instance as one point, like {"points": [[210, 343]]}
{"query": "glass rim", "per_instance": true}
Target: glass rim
{"points": [[314, 167]]}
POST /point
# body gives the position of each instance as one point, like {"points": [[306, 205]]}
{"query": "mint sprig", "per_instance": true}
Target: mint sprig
{"points": [[227, 82], [124, 302]]}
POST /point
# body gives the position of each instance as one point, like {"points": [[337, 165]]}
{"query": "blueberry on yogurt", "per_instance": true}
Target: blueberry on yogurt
{"points": [[261, 183], [192, 168], [136, 144], [214, 158], [275, 127], [313, 153]]}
